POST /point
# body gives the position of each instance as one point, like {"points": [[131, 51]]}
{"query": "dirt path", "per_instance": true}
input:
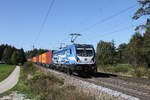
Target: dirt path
{"points": [[10, 81]]}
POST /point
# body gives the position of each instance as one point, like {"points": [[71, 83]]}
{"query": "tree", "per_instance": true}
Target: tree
{"points": [[14, 58], [105, 53], [7, 55], [2, 47], [122, 53], [35, 52], [146, 45], [21, 56], [135, 48], [11, 55], [143, 10]]}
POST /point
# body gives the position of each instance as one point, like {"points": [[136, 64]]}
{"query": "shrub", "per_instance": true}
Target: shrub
{"points": [[38, 76], [139, 72], [122, 68], [107, 68], [110, 69], [148, 73], [29, 68], [46, 86]]}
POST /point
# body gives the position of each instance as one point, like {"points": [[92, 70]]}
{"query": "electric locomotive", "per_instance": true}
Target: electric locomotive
{"points": [[75, 58]]}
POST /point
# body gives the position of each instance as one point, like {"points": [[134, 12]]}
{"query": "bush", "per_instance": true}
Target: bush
{"points": [[122, 68], [29, 68], [109, 69], [139, 72], [46, 86], [148, 73], [38, 76]]}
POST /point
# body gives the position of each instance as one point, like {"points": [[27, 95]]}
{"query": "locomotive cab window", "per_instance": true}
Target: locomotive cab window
{"points": [[80, 51], [84, 51], [89, 51]]}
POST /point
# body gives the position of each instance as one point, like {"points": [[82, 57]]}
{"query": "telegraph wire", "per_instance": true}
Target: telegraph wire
{"points": [[44, 21], [108, 18]]}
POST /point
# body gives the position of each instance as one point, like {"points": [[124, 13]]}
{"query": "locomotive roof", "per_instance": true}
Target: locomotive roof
{"points": [[83, 45], [76, 45]]}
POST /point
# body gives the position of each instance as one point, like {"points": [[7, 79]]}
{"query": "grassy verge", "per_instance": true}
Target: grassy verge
{"points": [[39, 86], [126, 70], [5, 71]]}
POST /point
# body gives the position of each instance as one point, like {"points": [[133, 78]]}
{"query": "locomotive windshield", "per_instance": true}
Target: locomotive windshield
{"points": [[81, 51]]}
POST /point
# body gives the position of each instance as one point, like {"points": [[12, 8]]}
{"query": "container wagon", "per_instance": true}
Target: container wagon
{"points": [[45, 59]]}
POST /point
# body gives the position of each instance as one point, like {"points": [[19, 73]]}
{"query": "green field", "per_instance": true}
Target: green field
{"points": [[5, 71]]}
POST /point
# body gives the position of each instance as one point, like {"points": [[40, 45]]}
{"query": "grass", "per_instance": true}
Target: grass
{"points": [[5, 71], [40, 86], [126, 70], [117, 69], [141, 72]]}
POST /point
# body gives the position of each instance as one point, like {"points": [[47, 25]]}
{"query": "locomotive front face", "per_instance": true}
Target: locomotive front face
{"points": [[85, 54]]}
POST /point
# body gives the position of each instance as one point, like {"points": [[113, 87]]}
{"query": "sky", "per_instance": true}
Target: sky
{"points": [[21, 21]]}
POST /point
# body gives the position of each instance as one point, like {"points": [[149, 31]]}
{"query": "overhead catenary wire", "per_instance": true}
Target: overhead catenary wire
{"points": [[44, 21], [115, 31], [106, 19]]}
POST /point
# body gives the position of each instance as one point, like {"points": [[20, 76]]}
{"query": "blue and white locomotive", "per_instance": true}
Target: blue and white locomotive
{"points": [[75, 58]]}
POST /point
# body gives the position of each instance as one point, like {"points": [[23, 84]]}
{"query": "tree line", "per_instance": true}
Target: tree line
{"points": [[136, 52], [35, 52], [11, 55]]}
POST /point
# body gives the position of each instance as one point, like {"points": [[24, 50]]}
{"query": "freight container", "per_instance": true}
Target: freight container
{"points": [[34, 59], [30, 60], [44, 58], [40, 59], [49, 57], [37, 59]]}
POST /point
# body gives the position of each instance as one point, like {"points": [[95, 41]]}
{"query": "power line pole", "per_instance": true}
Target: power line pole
{"points": [[61, 45], [74, 36], [33, 46]]}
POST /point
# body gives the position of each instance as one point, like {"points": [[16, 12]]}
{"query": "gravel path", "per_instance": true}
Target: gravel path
{"points": [[14, 96], [10, 81]]}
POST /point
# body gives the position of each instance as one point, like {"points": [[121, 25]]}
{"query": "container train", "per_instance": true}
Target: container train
{"points": [[77, 58]]}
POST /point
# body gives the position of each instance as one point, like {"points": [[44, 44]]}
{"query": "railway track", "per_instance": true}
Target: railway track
{"points": [[129, 87], [139, 88]]}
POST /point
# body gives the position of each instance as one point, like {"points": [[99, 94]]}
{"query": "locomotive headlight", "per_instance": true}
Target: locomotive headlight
{"points": [[93, 67], [78, 60]]}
